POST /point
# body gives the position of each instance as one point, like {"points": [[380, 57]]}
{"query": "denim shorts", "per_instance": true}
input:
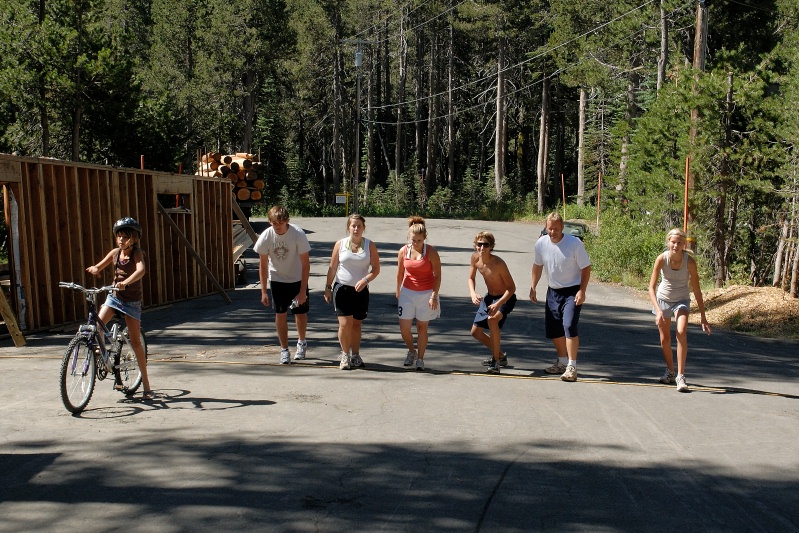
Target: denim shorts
{"points": [[132, 309]]}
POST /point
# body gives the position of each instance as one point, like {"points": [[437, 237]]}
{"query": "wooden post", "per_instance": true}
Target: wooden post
{"points": [[244, 222], [11, 321], [194, 253]]}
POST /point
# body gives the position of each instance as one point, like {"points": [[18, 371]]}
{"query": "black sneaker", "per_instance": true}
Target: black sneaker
{"points": [[493, 368]]}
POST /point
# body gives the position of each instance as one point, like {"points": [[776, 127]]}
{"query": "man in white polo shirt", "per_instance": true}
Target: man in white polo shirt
{"points": [[568, 269]]}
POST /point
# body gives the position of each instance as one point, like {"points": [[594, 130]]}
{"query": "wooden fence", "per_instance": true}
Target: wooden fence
{"points": [[59, 217]]}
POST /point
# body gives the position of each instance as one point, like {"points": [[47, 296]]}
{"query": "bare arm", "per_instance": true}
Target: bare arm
{"points": [[585, 275], [331, 272], [400, 269], [305, 261], [374, 262], [693, 272], [653, 288], [510, 288], [435, 260], [476, 298], [263, 276], [536, 275], [94, 270]]}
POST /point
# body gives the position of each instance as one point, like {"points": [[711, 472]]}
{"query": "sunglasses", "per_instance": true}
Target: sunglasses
{"points": [[482, 244]]}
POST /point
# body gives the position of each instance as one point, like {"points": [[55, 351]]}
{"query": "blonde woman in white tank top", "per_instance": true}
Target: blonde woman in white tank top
{"points": [[671, 297]]}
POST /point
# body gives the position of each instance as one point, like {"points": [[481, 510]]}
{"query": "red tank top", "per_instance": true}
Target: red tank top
{"points": [[418, 272]]}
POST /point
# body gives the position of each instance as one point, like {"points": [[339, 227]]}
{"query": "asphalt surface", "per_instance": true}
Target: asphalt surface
{"points": [[237, 442]]}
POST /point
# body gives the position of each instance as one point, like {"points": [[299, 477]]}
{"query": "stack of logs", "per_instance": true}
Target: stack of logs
{"points": [[243, 170]]}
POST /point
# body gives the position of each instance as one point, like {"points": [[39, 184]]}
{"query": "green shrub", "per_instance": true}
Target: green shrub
{"points": [[624, 250]]}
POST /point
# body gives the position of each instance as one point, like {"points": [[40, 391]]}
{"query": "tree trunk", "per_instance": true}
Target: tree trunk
{"points": [[781, 242], [499, 137], [430, 155], [370, 140], [543, 143], [337, 148], [402, 58], [248, 81], [420, 160], [450, 111], [77, 109], [581, 147], [664, 46]]}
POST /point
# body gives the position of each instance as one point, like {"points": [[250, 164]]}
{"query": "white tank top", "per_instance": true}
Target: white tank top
{"points": [[674, 283], [353, 266]]}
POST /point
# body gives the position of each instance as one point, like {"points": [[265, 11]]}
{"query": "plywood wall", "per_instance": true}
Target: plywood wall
{"points": [[60, 214]]}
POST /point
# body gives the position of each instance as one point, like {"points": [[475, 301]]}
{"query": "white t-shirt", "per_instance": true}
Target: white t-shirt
{"points": [[563, 262], [284, 253]]}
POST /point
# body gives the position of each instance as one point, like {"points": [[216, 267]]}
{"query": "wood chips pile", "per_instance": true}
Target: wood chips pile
{"points": [[762, 311]]}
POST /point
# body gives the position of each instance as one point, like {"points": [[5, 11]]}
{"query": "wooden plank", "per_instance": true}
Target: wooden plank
{"points": [[189, 248], [11, 321], [243, 218], [10, 170]]}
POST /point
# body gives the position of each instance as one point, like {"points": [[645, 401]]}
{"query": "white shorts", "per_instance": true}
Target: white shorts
{"points": [[416, 304], [671, 309]]}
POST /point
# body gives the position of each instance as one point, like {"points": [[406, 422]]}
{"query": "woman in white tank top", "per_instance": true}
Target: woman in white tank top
{"points": [[672, 298], [353, 264]]}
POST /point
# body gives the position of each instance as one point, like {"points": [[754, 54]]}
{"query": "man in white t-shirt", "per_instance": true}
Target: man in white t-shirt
{"points": [[285, 265], [568, 269]]}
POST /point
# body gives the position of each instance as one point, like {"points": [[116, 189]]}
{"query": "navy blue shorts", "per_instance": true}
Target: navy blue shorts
{"points": [[561, 315], [349, 302], [481, 318], [284, 293]]}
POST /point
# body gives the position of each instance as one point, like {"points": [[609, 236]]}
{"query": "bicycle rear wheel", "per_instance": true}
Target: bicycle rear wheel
{"points": [[77, 375], [128, 372]]}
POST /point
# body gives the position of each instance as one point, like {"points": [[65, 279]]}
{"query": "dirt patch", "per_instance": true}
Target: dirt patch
{"points": [[762, 311]]}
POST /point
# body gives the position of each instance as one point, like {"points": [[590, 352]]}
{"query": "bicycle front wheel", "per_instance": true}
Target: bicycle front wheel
{"points": [[77, 375], [128, 371]]}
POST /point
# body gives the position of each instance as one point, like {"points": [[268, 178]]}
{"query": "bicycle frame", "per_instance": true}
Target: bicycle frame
{"points": [[95, 332]]}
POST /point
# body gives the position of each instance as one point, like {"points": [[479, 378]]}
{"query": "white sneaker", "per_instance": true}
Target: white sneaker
{"points": [[420, 364], [356, 361], [409, 358], [668, 377], [682, 386], [345, 361], [300, 352], [285, 356], [570, 374]]}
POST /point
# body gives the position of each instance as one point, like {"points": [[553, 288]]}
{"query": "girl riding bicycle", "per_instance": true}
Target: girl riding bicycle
{"points": [[128, 261]]}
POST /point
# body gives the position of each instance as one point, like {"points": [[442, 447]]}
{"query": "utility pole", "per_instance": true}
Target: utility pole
{"points": [[700, 45], [356, 167]]}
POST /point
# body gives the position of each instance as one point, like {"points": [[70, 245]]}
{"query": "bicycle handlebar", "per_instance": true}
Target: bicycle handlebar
{"points": [[92, 290]]}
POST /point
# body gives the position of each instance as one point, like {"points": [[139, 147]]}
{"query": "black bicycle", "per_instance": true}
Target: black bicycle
{"points": [[97, 350]]}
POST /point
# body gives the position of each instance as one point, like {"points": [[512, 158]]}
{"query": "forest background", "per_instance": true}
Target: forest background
{"points": [[492, 109]]}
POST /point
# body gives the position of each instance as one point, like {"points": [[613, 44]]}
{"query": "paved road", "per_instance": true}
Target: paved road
{"points": [[237, 442]]}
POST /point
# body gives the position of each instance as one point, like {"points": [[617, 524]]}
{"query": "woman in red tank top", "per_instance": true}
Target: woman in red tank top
{"points": [[418, 282]]}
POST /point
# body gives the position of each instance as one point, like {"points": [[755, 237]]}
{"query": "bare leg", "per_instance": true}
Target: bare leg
{"points": [[345, 333], [572, 347], [664, 329], [560, 346], [493, 327], [407, 334], [355, 339], [421, 333], [682, 341], [134, 334], [282, 327], [301, 322]]}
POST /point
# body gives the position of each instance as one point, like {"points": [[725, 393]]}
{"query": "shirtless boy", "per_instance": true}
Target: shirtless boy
{"points": [[496, 304]]}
